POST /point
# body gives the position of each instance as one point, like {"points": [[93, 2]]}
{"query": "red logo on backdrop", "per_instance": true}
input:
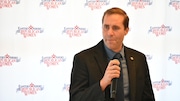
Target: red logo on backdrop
{"points": [[31, 89], [29, 31], [8, 60], [162, 30], [160, 85], [96, 4], [140, 4], [52, 60], [175, 58], [76, 31], [66, 87], [52, 3], [8, 3], [175, 4]]}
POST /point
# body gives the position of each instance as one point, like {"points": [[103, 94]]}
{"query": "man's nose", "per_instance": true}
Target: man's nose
{"points": [[110, 31]]}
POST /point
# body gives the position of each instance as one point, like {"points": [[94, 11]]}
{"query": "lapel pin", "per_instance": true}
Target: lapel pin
{"points": [[131, 58]]}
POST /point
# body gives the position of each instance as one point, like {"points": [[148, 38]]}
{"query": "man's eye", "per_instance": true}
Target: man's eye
{"points": [[115, 28], [106, 27]]}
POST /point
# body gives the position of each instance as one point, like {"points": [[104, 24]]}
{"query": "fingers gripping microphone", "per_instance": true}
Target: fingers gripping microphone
{"points": [[113, 88]]}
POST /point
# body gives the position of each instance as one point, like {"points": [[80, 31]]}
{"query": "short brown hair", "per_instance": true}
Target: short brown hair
{"points": [[119, 11]]}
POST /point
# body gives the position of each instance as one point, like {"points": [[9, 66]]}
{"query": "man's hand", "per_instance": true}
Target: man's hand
{"points": [[112, 71]]}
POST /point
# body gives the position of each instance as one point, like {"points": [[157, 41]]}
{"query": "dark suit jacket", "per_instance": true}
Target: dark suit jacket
{"points": [[89, 67]]}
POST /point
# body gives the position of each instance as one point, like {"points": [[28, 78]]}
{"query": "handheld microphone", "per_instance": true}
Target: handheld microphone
{"points": [[113, 87]]}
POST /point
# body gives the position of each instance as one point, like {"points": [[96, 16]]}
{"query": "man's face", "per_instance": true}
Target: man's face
{"points": [[113, 31]]}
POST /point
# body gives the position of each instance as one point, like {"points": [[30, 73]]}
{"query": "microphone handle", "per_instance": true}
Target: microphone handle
{"points": [[113, 88]]}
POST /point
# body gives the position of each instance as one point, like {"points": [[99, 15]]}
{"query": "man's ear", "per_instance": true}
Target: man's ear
{"points": [[126, 31]]}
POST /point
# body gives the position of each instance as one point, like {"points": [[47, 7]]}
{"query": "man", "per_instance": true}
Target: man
{"points": [[94, 69]]}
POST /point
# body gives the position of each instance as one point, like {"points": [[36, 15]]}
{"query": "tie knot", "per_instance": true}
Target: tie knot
{"points": [[117, 56]]}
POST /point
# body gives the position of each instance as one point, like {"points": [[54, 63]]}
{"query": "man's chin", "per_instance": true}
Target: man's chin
{"points": [[110, 46], [111, 43]]}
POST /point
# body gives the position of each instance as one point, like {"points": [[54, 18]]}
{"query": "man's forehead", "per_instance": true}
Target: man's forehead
{"points": [[109, 23], [113, 19]]}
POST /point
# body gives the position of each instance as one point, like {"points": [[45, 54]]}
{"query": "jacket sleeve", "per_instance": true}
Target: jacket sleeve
{"points": [[80, 88]]}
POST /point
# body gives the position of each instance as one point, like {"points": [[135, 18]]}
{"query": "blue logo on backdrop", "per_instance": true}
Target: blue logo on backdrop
{"points": [[140, 4], [96, 4], [52, 3]]}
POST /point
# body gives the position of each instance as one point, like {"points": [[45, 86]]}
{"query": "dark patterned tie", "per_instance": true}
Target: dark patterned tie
{"points": [[120, 87]]}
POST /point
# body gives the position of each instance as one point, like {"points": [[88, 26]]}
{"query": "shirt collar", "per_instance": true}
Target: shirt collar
{"points": [[111, 53]]}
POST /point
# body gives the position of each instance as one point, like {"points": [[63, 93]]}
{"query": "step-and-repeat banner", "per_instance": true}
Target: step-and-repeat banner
{"points": [[38, 39]]}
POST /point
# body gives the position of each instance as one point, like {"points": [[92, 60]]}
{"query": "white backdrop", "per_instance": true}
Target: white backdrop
{"points": [[38, 39]]}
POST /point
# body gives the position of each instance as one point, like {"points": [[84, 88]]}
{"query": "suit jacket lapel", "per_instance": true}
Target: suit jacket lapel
{"points": [[130, 59], [101, 57]]}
